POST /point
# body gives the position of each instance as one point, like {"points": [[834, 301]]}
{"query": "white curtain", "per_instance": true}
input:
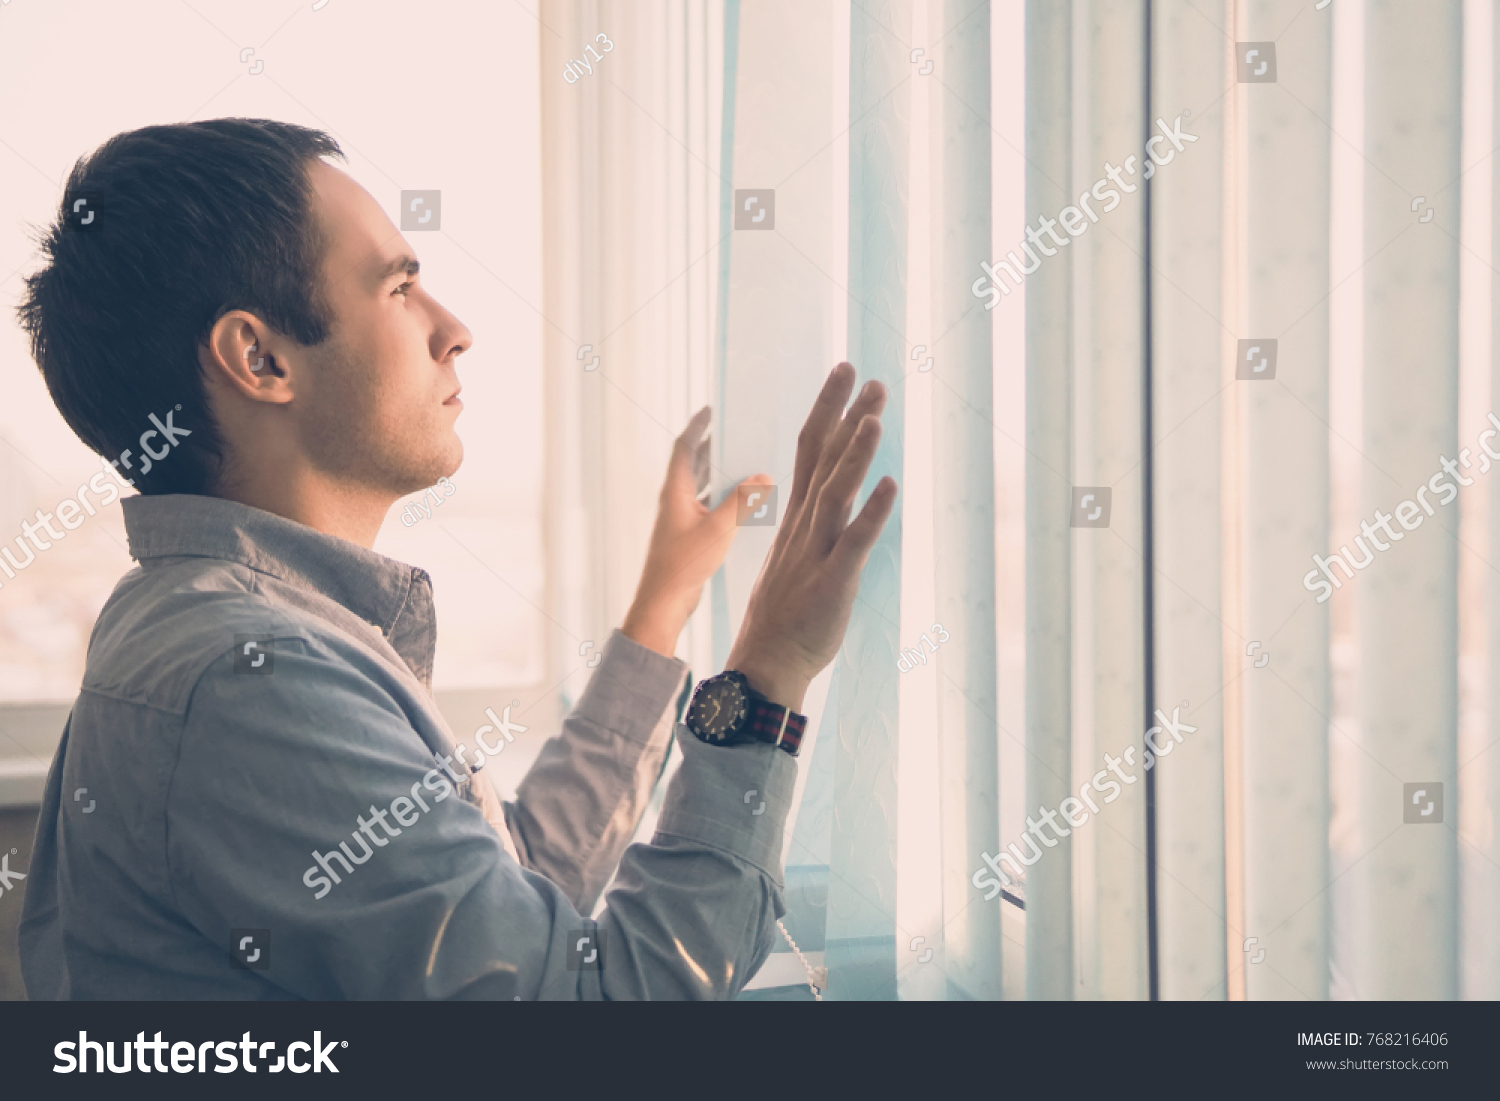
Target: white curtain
{"points": [[1318, 217], [1272, 860], [631, 226]]}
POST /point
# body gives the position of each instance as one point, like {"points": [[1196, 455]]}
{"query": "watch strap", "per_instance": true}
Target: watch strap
{"points": [[775, 724]]}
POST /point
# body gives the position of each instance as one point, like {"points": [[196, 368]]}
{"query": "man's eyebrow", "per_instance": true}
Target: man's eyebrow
{"points": [[401, 264]]}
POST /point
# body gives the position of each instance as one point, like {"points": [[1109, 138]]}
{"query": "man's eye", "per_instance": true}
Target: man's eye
{"points": [[401, 290]]}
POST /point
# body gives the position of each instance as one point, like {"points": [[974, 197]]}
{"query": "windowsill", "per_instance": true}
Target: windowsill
{"points": [[783, 969], [29, 733], [21, 782]]}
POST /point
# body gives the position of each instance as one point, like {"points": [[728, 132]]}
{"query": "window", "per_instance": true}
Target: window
{"points": [[484, 544]]}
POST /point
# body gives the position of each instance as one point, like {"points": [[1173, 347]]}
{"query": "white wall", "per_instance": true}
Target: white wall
{"points": [[442, 96]]}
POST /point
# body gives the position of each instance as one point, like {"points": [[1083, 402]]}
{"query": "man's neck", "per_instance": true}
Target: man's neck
{"points": [[352, 513]]}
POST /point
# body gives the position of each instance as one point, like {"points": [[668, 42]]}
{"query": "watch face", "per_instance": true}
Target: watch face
{"points": [[717, 711]]}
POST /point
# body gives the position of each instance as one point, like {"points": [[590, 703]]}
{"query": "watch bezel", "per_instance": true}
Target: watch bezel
{"points": [[714, 687]]}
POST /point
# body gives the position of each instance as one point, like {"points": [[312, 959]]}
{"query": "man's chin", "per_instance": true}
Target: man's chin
{"points": [[424, 475], [456, 458]]}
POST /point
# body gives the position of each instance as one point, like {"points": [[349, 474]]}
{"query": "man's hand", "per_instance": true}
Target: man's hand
{"points": [[801, 602], [688, 543]]}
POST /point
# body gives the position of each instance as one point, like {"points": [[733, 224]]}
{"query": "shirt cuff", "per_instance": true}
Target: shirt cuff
{"points": [[731, 798], [631, 690]]}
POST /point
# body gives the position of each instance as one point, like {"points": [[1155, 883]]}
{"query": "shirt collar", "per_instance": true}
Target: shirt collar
{"points": [[377, 589]]}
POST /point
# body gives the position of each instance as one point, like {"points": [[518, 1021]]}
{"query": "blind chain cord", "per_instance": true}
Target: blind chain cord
{"points": [[817, 977]]}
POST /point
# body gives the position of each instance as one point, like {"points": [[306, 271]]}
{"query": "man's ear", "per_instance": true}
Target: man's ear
{"points": [[250, 358]]}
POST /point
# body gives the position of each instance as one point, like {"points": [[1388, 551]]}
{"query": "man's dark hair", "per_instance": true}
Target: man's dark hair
{"points": [[194, 219]]}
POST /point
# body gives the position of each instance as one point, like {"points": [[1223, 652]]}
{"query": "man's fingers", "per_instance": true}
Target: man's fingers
{"points": [[836, 497], [821, 421], [853, 546], [688, 456], [695, 427], [687, 443], [701, 467], [871, 399]]}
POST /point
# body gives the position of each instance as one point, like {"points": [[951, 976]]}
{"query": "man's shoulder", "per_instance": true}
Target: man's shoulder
{"points": [[164, 627]]}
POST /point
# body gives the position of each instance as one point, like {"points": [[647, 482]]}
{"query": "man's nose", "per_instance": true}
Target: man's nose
{"points": [[450, 335]]}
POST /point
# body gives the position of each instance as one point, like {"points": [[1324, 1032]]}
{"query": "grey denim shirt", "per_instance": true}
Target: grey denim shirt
{"points": [[311, 808]]}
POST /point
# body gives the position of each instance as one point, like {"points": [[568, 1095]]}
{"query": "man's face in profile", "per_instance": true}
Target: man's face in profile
{"points": [[379, 405]]}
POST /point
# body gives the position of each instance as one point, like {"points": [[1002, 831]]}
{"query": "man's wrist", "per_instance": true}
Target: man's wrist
{"points": [[780, 687], [653, 631]]}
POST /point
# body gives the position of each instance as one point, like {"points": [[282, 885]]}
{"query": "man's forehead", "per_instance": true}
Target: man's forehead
{"points": [[362, 241]]}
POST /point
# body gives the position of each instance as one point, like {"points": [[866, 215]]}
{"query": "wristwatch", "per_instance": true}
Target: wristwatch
{"points": [[727, 711]]}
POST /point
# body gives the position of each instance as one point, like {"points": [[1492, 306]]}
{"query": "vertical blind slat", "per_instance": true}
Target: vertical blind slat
{"points": [[862, 872], [1483, 968], [964, 498], [1405, 887], [1188, 341], [773, 317], [1109, 280], [1287, 177], [1049, 399]]}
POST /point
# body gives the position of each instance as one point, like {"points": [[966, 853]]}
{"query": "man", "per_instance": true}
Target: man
{"points": [[311, 831]]}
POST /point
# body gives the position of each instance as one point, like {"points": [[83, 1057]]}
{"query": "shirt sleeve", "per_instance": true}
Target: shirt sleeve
{"points": [[579, 804], [304, 804]]}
